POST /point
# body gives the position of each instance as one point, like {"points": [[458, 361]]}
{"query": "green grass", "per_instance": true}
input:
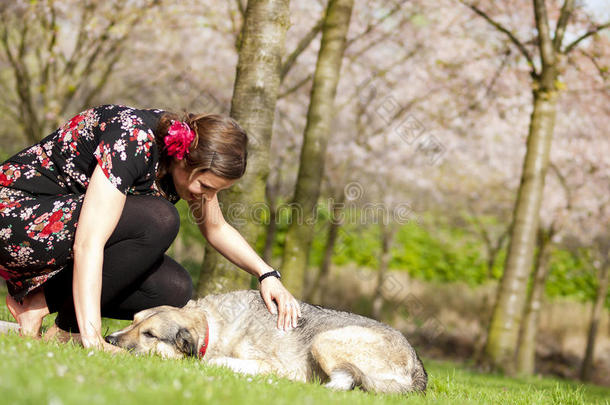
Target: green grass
{"points": [[36, 372], [48, 373]]}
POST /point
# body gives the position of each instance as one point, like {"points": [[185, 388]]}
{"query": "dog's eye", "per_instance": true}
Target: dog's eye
{"points": [[148, 334]]}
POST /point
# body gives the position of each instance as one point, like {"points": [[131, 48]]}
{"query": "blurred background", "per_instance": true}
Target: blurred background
{"points": [[441, 166]]}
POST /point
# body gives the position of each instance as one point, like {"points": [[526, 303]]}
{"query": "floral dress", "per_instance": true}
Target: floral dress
{"points": [[43, 186]]}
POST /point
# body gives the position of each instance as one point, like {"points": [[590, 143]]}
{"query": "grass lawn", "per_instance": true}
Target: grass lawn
{"points": [[35, 372]]}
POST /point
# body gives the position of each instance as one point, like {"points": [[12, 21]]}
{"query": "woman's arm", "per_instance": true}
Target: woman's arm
{"points": [[100, 213], [232, 245], [225, 238]]}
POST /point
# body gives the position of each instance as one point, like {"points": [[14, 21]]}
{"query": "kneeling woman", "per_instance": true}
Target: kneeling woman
{"points": [[117, 172]]}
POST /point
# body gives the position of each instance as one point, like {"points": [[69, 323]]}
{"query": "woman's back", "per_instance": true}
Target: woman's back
{"points": [[120, 138], [43, 186]]}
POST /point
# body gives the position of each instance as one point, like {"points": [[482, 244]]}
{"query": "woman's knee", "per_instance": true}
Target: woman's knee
{"points": [[171, 283], [165, 219], [153, 218], [183, 289]]}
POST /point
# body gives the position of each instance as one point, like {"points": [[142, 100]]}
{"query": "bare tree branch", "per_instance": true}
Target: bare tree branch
{"points": [[585, 36], [114, 48], [297, 86], [52, 75], [479, 226], [50, 59], [302, 45], [564, 17], [475, 103], [103, 79], [603, 73], [496, 75], [23, 35], [27, 117], [376, 74], [241, 8], [88, 10], [564, 184], [368, 46], [398, 114], [236, 25], [6, 108], [547, 53], [5, 44], [371, 26], [501, 28]]}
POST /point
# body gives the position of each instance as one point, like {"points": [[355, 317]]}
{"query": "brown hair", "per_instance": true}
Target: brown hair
{"points": [[220, 145]]}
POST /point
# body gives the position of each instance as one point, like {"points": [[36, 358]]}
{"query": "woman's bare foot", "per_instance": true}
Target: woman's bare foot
{"points": [[60, 335], [30, 314]]}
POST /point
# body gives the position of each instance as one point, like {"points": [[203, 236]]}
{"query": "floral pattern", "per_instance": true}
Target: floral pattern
{"points": [[43, 186]]}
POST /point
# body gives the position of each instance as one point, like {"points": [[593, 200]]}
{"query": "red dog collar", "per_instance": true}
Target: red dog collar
{"points": [[203, 348]]}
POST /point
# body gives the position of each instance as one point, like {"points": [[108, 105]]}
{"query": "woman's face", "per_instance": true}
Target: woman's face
{"points": [[202, 185]]}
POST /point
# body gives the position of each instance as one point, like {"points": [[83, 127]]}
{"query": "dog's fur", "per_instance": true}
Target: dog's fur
{"points": [[340, 348]]}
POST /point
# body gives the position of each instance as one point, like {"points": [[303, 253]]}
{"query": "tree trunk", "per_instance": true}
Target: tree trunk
{"points": [[253, 106], [503, 334], [598, 307], [491, 259], [271, 193], [387, 237], [492, 254], [317, 290], [500, 349], [526, 352], [313, 151], [270, 235]]}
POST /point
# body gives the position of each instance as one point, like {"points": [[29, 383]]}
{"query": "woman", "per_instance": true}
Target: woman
{"points": [[116, 171]]}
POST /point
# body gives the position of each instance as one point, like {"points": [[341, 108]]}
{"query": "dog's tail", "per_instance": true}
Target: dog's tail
{"points": [[419, 376], [415, 381]]}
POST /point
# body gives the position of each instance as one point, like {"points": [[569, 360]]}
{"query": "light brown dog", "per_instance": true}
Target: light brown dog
{"points": [[236, 330]]}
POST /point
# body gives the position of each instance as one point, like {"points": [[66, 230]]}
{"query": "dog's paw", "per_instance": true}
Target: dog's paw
{"points": [[340, 380], [238, 365]]}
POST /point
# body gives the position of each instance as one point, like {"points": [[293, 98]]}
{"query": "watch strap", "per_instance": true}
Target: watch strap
{"points": [[273, 273]]}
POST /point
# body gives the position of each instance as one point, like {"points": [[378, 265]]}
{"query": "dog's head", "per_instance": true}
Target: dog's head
{"points": [[168, 331]]}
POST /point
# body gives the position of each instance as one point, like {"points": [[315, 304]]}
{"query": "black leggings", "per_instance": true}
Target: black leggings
{"points": [[136, 273]]}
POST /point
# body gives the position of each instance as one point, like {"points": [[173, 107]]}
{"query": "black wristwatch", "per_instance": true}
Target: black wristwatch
{"points": [[273, 273]]}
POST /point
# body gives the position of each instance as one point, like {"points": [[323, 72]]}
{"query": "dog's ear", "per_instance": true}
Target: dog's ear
{"points": [[140, 316], [186, 342]]}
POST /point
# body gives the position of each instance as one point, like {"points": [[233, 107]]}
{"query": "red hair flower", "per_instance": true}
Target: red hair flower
{"points": [[178, 139]]}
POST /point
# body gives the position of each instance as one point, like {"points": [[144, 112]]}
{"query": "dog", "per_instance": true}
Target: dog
{"points": [[236, 330]]}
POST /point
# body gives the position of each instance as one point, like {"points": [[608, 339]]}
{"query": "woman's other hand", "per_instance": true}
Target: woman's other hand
{"points": [[98, 342], [288, 308], [107, 347]]}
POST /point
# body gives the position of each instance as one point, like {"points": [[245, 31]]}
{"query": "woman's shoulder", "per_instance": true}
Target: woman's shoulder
{"points": [[129, 116], [122, 109]]}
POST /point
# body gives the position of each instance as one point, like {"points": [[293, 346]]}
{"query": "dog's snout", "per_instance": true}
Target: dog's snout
{"points": [[112, 339]]}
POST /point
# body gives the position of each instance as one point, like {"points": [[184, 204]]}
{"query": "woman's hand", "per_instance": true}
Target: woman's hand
{"points": [[288, 308], [100, 213], [98, 342], [107, 347]]}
